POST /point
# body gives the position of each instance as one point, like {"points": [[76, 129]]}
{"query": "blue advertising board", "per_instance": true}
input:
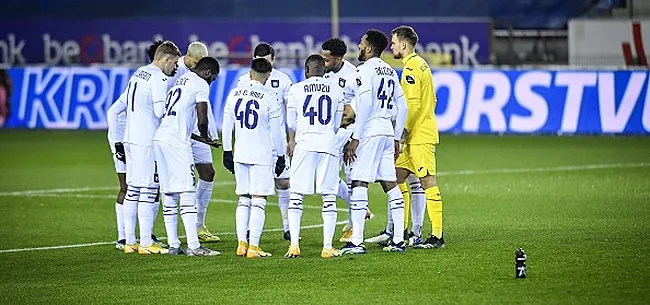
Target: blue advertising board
{"points": [[124, 41], [491, 101]]}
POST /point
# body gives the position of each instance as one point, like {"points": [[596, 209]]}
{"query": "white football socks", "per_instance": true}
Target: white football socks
{"points": [[396, 208], [389, 224], [283, 202], [242, 218], [344, 194], [295, 216], [329, 220], [418, 204], [188, 214], [256, 222], [203, 195], [170, 216], [156, 208], [130, 211], [359, 207], [146, 207], [119, 216]]}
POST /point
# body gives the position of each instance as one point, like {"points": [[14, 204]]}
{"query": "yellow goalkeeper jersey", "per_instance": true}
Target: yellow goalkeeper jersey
{"points": [[417, 84]]}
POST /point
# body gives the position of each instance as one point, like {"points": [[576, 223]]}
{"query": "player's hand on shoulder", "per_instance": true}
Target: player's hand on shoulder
{"points": [[280, 165], [228, 162], [119, 152]]}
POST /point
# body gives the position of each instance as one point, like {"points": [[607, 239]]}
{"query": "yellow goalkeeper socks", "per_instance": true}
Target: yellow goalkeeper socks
{"points": [[434, 208], [403, 187]]}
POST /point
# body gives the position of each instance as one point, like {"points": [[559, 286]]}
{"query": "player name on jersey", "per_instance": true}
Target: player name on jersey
{"points": [[252, 93], [181, 81], [384, 71], [317, 88], [142, 74]]}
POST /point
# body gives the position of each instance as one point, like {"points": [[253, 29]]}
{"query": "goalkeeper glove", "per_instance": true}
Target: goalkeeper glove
{"points": [[228, 162], [280, 165], [119, 152]]}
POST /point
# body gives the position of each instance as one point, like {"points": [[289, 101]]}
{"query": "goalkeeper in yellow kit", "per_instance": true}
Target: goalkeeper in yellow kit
{"points": [[419, 148]]}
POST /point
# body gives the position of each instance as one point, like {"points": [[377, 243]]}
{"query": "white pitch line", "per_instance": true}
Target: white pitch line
{"points": [[64, 195], [59, 192], [441, 173], [102, 243], [545, 169]]}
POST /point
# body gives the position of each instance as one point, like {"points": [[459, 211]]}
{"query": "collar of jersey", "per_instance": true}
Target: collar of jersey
{"points": [[183, 62], [407, 58]]}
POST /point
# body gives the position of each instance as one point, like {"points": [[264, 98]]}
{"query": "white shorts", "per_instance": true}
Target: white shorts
{"points": [[175, 168], [375, 160], [254, 179], [309, 167], [285, 173], [120, 167], [140, 166], [201, 152]]}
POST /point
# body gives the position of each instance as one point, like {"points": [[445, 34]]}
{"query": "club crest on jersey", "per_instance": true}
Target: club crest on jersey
{"points": [[410, 79], [359, 82], [275, 83], [342, 82]]}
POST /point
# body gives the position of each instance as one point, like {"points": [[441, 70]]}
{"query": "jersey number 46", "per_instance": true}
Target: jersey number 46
{"points": [[248, 117]]}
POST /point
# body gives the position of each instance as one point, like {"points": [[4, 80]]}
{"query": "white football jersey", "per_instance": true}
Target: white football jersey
{"points": [[148, 85], [116, 119], [180, 71], [346, 78], [378, 97], [314, 110], [251, 108], [279, 82], [180, 117], [212, 124]]}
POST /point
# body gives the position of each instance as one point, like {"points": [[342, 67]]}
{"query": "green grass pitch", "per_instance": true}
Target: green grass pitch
{"points": [[579, 206]]}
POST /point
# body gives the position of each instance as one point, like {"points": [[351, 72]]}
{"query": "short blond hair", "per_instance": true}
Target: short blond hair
{"points": [[197, 50], [167, 48]]}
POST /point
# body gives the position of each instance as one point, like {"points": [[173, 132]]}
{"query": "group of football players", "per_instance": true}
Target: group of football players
{"points": [[364, 119]]}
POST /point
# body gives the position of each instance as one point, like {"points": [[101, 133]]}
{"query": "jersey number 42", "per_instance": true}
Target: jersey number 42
{"points": [[381, 93]]}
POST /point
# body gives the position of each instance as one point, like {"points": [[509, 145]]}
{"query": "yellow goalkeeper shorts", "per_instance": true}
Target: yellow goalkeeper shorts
{"points": [[419, 159]]}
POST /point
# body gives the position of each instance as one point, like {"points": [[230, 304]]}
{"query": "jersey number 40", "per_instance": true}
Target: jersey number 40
{"points": [[248, 117], [324, 113]]}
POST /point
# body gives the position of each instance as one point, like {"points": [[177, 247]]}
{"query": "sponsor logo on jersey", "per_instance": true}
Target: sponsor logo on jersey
{"points": [[410, 79]]}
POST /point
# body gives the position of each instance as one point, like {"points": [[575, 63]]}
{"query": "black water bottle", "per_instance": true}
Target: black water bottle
{"points": [[520, 264]]}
